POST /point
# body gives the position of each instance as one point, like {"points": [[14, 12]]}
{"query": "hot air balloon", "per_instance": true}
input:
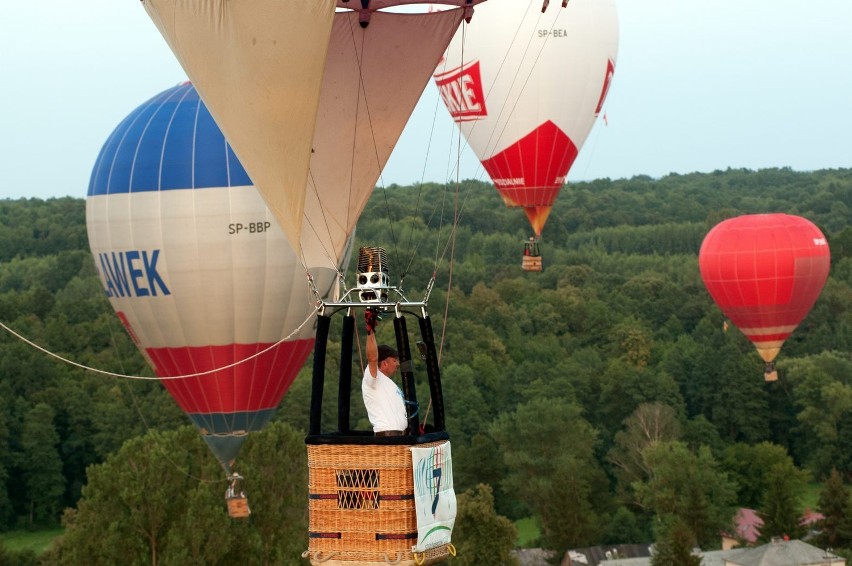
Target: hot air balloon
{"points": [[313, 102], [525, 87], [198, 270], [765, 271]]}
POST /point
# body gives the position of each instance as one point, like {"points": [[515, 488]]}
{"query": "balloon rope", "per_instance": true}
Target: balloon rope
{"points": [[149, 378], [362, 94], [452, 244], [420, 185], [331, 254]]}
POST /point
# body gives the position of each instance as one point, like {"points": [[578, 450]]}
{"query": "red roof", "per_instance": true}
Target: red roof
{"points": [[747, 523], [811, 517]]}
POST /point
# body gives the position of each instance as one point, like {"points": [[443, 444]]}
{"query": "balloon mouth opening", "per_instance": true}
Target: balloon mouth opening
{"points": [[344, 6]]}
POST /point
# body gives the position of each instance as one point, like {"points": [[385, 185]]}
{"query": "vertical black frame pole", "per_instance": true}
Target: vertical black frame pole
{"points": [[320, 346], [345, 383], [433, 372], [407, 371]]}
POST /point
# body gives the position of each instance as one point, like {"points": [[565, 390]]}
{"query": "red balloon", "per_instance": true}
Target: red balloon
{"points": [[765, 271]]}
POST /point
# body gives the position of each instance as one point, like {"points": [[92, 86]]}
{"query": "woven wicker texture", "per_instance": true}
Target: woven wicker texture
{"points": [[238, 507], [362, 506]]}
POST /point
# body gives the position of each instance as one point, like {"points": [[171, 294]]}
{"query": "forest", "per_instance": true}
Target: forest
{"points": [[602, 397]]}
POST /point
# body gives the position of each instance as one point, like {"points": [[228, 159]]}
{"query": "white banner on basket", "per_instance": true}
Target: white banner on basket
{"points": [[434, 497]]}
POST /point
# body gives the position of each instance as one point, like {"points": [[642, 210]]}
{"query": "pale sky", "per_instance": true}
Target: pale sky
{"points": [[699, 85]]}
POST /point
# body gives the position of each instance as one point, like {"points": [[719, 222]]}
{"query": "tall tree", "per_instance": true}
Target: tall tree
{"points": [[468, 472], [549, 451], [780, 508], [625, 386], [749, 466], [674, 546], [160, 500], [823, 390], [6, 514], [687, 487], [275, 465], [836, 506], [132, 499], [649, 424], [42, 466], [480, 535], [624, 526]]}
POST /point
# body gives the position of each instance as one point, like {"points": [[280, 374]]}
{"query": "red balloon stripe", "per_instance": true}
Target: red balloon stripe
{"points": [[254, 385]]}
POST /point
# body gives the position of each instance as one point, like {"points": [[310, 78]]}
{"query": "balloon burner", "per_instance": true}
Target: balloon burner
{"points": [[372, 278]]}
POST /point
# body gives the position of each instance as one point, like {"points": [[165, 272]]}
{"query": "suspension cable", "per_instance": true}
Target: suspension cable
{"points": [[150, 378]]}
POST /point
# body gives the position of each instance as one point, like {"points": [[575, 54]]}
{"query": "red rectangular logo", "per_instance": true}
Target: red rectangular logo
{"points": [[461, 90]]}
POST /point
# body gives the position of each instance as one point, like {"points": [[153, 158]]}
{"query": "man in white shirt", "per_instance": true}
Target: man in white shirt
{"points": [[382, 397]]}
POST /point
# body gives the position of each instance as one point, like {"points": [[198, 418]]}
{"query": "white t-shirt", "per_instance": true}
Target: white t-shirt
{"points": [[384, 401]]}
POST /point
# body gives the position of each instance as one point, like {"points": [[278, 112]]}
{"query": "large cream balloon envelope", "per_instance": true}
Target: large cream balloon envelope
{"points": [[525, 87], [258, 66], [312, 101], [373, 79]]}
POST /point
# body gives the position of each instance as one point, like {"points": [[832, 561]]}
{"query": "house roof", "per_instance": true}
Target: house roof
{"points": [[777, 553], [594, 555]]}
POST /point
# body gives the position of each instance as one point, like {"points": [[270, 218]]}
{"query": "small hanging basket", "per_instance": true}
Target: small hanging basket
{"points": [[531, 263], [238, 507], [769, 372]]}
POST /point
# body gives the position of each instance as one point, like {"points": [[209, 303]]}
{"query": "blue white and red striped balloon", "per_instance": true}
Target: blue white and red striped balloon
{"points": [[197, 269]]}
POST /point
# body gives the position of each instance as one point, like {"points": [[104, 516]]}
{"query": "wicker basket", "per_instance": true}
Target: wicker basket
{"points": [[361, 502], [238, 507], [531, 263]]}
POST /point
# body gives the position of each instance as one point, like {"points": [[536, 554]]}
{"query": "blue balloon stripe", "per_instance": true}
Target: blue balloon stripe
{"points": [[104, 166], [170, 142], [211, 156], [236, 172], [176, 165], [232, 424], [148, 161]]}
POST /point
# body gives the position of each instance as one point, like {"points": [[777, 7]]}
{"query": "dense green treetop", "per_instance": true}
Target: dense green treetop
{"points": [[618, 320]]}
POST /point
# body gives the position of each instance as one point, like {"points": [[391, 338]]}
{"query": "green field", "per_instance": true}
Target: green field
{"points": [[37, 541], [810, 498], [528, 532]]}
